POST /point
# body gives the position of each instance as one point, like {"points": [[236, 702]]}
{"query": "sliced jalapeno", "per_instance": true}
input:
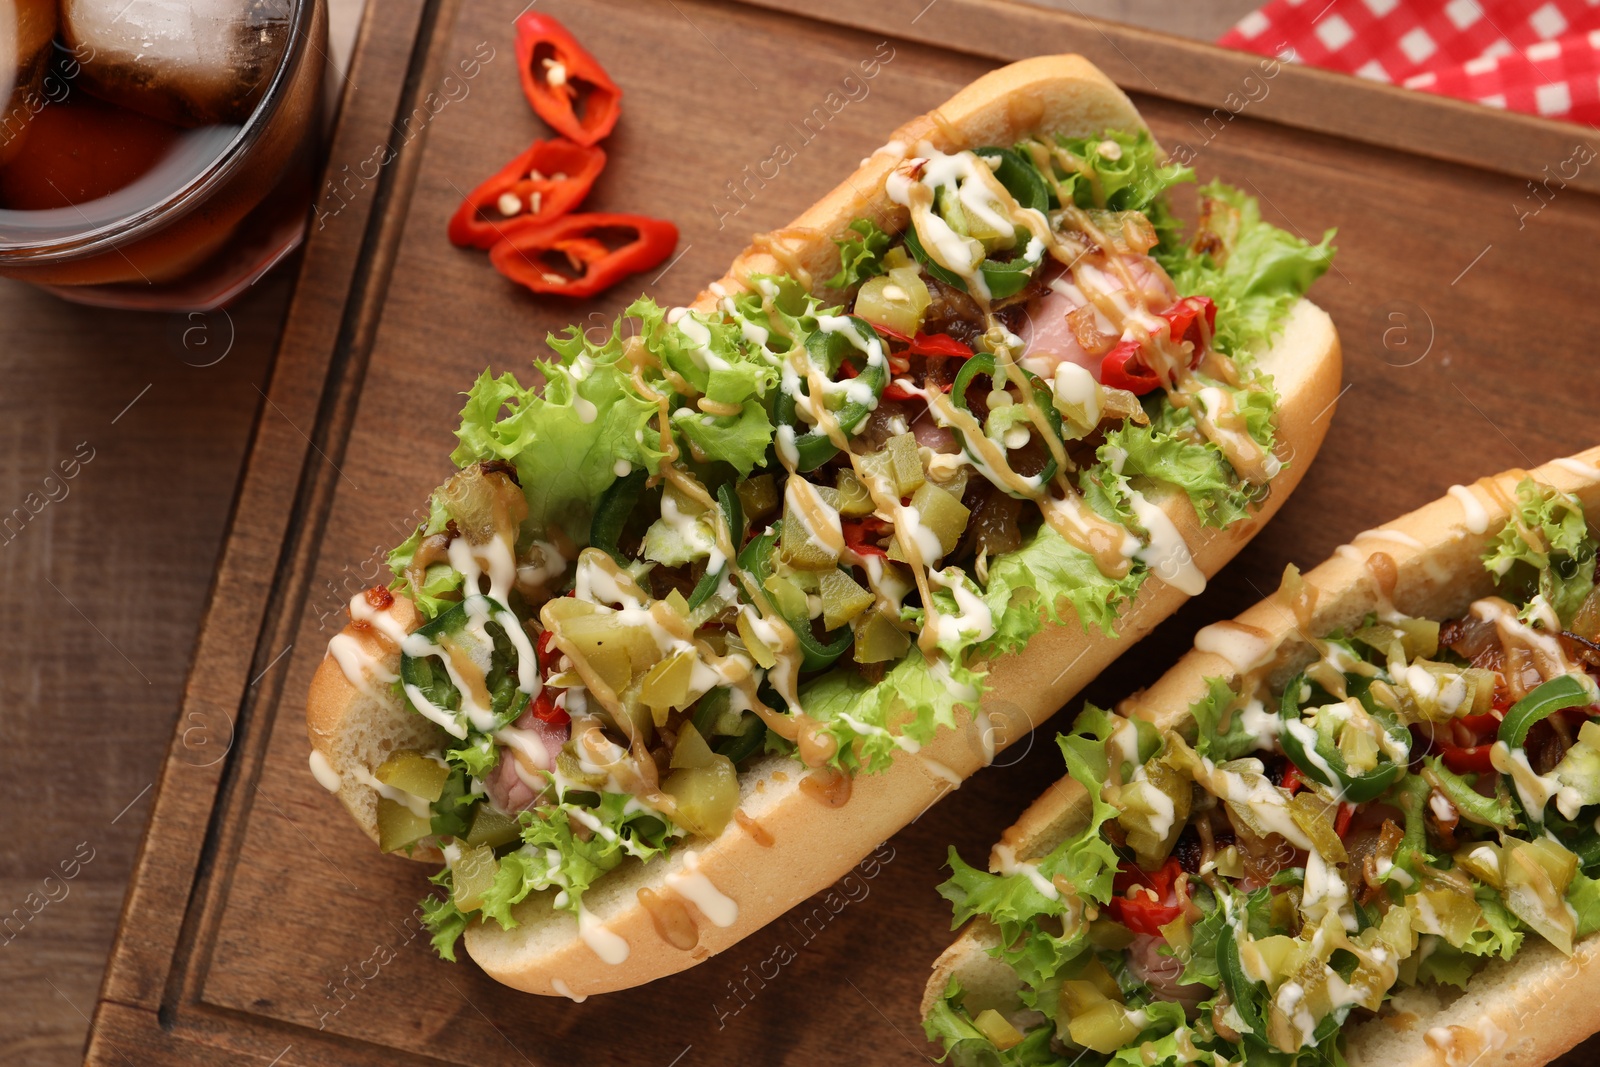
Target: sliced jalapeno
{"points": [[506, 700], [830, 350], [746, 742], [611, 514], [1543, 701], [731, 510], [756, 560], [983, 364], [1321, 760], [1019, 177]]}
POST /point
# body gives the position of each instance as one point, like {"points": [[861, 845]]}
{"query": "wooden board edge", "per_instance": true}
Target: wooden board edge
{"points": [[1230, 83]]}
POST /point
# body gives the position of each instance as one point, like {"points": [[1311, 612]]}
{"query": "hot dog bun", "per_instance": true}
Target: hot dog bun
{"points": [[1523, 1011], [788, 843]]}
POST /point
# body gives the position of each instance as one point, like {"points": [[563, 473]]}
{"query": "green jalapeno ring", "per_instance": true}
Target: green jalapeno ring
{"points": [[756, 560], [1542, 701], [731, 510], [613, 511], [1325, 764], [829, 350], [983, 364]]}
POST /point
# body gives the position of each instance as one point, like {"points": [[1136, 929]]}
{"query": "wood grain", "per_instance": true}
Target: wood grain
{"points": [[261, 924]]}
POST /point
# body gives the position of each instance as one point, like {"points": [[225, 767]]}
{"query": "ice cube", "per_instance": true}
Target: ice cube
{"points": [[26, 29], [190, 62]]}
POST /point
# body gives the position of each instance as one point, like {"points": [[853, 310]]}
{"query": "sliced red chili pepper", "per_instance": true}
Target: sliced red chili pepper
{"points": [[1473, 760], [939, 344], [536, 255], [858, 535], [1145, 911], [546, 652], [1292, 780], [1123, 367], [1184, 319], [543, 183], [559, 76], [545, 710], [1341, 821]]}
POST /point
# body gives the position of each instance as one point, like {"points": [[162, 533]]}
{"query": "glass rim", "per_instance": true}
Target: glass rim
{"points": [[192, 193]]}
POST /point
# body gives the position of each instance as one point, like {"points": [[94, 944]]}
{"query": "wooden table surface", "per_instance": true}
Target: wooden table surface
{"points": [[107, 585]]}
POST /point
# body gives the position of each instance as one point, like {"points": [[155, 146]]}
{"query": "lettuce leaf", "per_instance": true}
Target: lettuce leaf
{"points": [[865, 718], [567, 439], [1086, 861], [1198, 467], [965, 1046], [860, 254], [554, 856], [1132, 178], [1254, 271], [1030, 585], [1222, 745], [1545, 551]]}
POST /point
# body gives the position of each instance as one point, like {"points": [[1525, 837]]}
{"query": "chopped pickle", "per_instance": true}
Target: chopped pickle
{"points": [[878, 467], [677, 603], [571, 768], [842, 599], [609, 648], [704, 797], [472, 876], [854, 500], [942, 514], [492, 828], [879, 640], [1481, 859], [415, 773], [1536, 875], [1359, 748], [398, 827], [758, 496], [1315, 816], [905, 463], [787, 596], [994, 1026], [898, 300], [1108, 935], [759, 650], [1105, 1027], [1154, 811], [898, 257], [1417, 637], [666, 687], [799, 547], [691, 750]]}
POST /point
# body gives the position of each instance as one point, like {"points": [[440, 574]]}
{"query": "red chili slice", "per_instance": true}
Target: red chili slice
{"points": [[858, 535], [939, 344], [1145, 912], [559, 75], [1473, 760], [1123, 366], [1341, 821], [543, 183], [544, 709], [539, 256]]}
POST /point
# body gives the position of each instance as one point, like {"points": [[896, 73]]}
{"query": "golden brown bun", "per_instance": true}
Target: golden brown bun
{"points": [[813, 844], [1524, 1011]]}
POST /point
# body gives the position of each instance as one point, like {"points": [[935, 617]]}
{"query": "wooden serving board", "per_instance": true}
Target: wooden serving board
{"points": [[261, 925]]}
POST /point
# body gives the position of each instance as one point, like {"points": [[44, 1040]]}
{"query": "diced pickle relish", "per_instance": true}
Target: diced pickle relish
{"points": [[1274, 878], [788, 526]]}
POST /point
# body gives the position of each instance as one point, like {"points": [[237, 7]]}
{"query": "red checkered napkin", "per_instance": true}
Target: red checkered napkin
{"points": [[1537, 56]]}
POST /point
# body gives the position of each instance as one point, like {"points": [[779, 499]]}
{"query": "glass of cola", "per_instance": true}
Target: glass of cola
{"points": [[156, 153]]}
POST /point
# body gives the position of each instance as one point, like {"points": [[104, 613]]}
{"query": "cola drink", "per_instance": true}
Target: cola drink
{"points": [[156, 153]]}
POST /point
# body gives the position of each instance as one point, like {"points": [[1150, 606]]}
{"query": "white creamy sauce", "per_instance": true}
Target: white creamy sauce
{"points": [[602, 941], [561, 987], [1472, 509], [1005, 862], [942, 772], [691, 883], [359, 666], [1242, 649], [1574, 465], [323, 772], [1166, 554]]}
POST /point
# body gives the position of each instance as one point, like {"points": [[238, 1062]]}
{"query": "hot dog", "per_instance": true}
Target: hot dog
{"points": [[1355, 824], [750, 584]]}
